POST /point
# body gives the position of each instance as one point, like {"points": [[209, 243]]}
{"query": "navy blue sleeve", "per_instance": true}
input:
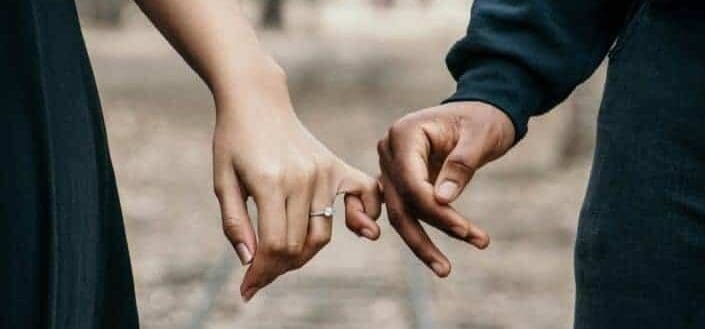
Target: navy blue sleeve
{"points": [[526, 56]]}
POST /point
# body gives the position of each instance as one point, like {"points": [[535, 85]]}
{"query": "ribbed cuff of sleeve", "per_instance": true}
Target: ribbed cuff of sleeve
{"points": [[504, 85]]}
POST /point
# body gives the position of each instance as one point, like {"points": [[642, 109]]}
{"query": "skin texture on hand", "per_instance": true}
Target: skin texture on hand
{"points": [[260, 149], [270, 156], [427, 158]]}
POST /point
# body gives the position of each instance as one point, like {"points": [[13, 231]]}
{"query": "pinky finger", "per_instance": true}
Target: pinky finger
{"points": [[359, 221]]}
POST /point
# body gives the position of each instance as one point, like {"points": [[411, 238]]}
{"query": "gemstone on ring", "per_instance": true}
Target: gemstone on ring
{"points": [[326, 212]]}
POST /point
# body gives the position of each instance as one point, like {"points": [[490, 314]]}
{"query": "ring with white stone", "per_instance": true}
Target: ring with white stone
{"points": [[327, 212]]}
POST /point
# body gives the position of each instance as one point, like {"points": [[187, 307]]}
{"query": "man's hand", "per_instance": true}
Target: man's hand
{"points": [[427, 158]]}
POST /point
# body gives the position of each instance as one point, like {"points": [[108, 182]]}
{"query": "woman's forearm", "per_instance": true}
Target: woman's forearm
{"points": [[216, 39], [260, 149]]}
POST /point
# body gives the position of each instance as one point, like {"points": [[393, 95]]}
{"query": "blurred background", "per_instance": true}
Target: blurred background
{"points": [[354, 67]]}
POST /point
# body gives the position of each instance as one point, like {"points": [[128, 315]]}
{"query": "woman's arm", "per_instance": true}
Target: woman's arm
{"points": [[260, 148], [216, 39]]}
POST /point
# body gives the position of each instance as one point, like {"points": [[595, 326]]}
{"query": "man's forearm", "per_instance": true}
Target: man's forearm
{"points": [[526, 56]]}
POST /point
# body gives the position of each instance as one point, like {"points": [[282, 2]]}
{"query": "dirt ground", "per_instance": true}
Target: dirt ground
{"points": [[353, 70]]}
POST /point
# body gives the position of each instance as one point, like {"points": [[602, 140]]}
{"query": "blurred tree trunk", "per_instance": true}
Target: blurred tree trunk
{"points": [[105, 12], [273, 14], [385, 3]]}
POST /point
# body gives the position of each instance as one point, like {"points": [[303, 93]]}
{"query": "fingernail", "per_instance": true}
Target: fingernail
{"points": [[460, 231], [249, 293], [480, 242], [366, 232], [438, 268], [447, 190], [243, 252]]}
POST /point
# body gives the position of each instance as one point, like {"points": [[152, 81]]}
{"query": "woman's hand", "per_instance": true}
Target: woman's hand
{"points": [[262, 150]]}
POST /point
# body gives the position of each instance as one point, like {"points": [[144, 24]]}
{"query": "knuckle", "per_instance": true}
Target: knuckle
{"points": [[275, 248], [397, 128], [221, 187], [458, 230], [293, 249], [297, 264], [320, 241], [372, 186], [325, 166], [218, 189], [350, 225], [268, 177], [301, 173], [231, 226], [497, 142], [461, 163], [492, 131], [382, 146], [307, 168], [295, 178], [372, 196]]}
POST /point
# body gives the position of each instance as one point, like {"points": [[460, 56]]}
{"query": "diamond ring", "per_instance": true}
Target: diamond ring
{"points": [[327, 212]]}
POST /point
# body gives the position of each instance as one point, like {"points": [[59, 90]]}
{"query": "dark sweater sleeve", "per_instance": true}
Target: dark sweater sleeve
{"points": [[526, 56]]}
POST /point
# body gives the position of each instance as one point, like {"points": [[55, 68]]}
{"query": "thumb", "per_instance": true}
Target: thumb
{"points": [[458, 168]]}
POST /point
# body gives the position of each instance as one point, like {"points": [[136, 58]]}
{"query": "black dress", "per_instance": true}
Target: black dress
{"points": [[640, 249], [64, 260]]}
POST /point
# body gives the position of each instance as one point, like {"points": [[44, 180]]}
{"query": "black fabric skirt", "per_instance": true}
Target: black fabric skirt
{"points": [[64, 261]]}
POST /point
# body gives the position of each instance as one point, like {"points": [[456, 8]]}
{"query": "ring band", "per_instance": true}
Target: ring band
{"points": [[327, 212]]}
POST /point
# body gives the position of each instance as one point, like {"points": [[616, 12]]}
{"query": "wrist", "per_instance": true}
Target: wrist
{"points": [[506, 128], [247, 79], [258, 89], [501, 125]]}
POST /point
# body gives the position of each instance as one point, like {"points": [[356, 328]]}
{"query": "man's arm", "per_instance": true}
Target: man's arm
{"points": [[520, 58], [525, 57]]}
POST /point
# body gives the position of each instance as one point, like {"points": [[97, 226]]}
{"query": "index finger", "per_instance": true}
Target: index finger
{"points": [[413, 234], [263, 271]]}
